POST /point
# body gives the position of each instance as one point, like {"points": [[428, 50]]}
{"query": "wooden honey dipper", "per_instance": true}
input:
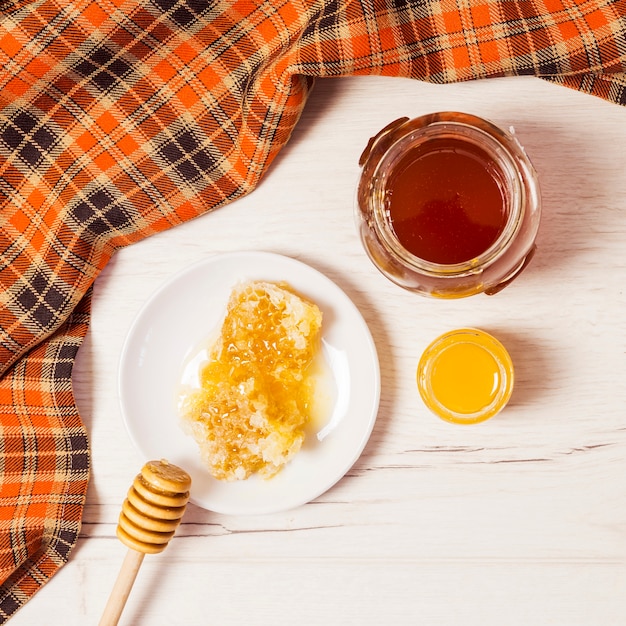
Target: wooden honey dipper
{"points": [[150, 515]]}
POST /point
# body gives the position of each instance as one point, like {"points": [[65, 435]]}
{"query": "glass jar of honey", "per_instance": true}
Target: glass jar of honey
{"points": [[448, 205], [465, 376]]}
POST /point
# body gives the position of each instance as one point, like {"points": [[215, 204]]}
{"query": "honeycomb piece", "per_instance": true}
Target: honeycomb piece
{"points": [[249, 415]]}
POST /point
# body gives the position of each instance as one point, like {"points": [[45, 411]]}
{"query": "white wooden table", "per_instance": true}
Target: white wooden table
{"points": [[520, 520]]}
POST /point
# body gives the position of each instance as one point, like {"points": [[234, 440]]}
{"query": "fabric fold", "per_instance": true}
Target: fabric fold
{"points": [[120, 119]]}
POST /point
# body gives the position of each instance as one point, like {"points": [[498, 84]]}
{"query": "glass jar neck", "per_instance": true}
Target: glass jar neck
{"points": [[497, 150]]}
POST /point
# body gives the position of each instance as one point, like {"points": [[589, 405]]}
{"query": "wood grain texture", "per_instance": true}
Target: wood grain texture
{"points": [[520, 520]]}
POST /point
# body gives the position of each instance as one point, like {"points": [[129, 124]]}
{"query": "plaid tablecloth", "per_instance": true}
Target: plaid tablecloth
{"points": [[119, 119]]}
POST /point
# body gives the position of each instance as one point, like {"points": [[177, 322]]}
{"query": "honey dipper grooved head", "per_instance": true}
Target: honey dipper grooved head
{"points": [[154, 507]]}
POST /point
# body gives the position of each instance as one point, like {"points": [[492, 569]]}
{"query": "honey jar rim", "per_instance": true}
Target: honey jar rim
{"points": [[499, 146]]}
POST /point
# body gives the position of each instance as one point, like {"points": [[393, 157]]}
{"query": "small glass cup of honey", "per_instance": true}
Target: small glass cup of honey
{"points": [[448, 205], [465, 376]]}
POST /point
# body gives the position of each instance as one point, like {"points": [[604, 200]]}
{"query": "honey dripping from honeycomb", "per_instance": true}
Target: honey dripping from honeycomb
{"points": [[254, 401]]}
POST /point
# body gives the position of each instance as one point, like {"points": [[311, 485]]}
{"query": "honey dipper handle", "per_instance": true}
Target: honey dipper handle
{"points": [[121, 589]]}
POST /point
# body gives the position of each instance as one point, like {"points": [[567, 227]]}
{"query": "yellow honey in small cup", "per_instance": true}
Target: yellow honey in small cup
{"points": [[465, 376]]}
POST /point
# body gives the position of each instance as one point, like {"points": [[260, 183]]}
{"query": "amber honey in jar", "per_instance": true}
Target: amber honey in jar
{"points": [[448, 205]]}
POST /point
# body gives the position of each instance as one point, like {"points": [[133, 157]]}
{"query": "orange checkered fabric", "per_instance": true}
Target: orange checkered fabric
{"points": [[120, 118]]}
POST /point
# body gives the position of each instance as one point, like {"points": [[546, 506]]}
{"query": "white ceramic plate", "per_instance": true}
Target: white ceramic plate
{"points": [[189, 308]]}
